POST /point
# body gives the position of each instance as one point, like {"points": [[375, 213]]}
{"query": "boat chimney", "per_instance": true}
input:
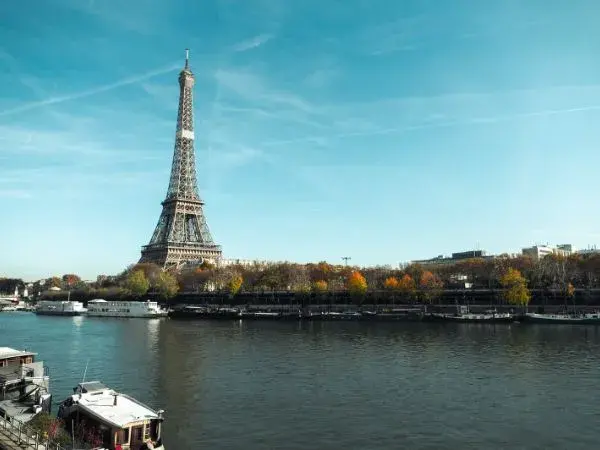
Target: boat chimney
{"points": [[115, 401]]}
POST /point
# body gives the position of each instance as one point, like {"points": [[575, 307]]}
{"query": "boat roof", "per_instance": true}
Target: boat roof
{"points": [[98, 300], [99, 400], [7, 352]]}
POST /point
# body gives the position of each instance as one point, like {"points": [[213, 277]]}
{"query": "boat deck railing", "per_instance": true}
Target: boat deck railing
{"points": [[16, 435]]}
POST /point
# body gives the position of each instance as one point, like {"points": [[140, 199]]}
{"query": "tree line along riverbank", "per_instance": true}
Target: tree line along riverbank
{"points": [[500, 280]]}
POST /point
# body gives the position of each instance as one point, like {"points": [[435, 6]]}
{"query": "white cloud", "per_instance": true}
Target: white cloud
{"points": [[252, 87], [251, 43]]}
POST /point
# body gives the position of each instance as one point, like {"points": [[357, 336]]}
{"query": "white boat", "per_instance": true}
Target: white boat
{"points": [[8, 308], [104, 308], [577, 318], [97, 415], [59, 308]]}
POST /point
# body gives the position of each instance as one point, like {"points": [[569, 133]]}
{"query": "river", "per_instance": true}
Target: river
{"points": [[265, 385]]}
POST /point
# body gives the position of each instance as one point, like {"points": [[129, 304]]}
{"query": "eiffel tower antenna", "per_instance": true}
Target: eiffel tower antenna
{"points": [[181, 235]]}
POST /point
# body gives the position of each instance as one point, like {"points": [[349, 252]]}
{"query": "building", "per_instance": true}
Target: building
{"points": [[226, 262], [588, 251], [456, 257], [181, 235], [469, 254], [538, 252]]}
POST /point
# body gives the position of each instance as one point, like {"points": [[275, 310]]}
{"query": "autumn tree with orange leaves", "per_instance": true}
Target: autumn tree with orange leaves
{"points": [[70, 279], [357, 285], [391, 283], [407, 287], [430, 286], [320, 286]]}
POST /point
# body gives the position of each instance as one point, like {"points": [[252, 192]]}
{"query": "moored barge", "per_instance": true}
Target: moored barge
{"points": [[97, 415]]}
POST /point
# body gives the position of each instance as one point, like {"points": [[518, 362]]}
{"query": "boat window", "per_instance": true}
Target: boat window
{"points": [[123, 436]]}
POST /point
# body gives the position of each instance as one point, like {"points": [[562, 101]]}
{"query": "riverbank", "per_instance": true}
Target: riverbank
{"points": [[489, 297]]}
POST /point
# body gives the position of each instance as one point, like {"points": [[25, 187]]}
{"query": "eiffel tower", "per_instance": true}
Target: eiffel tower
{"points": [[182, 235]]}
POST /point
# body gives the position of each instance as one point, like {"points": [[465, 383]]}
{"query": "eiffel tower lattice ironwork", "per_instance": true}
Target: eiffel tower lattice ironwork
{"points": [[182, 235]]}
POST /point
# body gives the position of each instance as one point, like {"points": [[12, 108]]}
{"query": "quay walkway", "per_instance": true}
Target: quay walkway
{"points": [[15, 435]]}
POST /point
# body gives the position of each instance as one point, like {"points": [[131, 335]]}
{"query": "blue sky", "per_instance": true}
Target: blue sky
{"points": [[386, 131]]}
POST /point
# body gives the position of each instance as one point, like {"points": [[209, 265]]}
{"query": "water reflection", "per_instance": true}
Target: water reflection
{"points": [[78, 321], [347, 385]]}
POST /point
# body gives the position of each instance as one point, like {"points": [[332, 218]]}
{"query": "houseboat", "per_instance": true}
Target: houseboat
{"points": [[205, 312], [564, 318], [463, 314], [24, 385], [59, 308], [103, 308], [101, 417]]}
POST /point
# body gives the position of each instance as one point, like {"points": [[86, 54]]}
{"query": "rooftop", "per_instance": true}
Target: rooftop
{"points": [[100, 401], [7, 352]]}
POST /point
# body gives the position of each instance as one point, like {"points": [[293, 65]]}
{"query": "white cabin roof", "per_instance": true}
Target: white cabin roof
{"points": [[100, 401], [98, 300], [7, 352]]}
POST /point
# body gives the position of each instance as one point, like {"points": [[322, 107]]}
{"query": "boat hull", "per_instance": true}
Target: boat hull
{"points": [[203, 315], [126, 315], [59, 313], [449, 318], [538, 318]]}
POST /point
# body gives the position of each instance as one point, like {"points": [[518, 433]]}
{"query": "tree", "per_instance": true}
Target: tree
{"points": [[50, 428], [430, 286], [320, 286], [407, 287], [53, 282], [235, 284], [320, 271], [137, 283], [357, 285], [515, 287], [152, 271], [166, 285], [391, 283], [69, 280]]}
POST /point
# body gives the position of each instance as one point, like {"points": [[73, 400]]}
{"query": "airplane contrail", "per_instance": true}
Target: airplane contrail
{"points": [[452, 123], [92, 91]]}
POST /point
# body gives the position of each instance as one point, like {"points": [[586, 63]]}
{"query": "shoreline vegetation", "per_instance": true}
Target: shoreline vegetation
{"points": [[503, 280]]}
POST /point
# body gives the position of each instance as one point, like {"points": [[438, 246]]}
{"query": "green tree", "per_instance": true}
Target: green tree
{"points": [[137, 283], [515, 287], [166, 285]]}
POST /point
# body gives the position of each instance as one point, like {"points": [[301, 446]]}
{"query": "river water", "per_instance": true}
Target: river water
{"points": [[267, 385]]}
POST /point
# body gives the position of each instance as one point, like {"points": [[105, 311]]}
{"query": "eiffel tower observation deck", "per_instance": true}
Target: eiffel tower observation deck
{"points": [[182, 235]]}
